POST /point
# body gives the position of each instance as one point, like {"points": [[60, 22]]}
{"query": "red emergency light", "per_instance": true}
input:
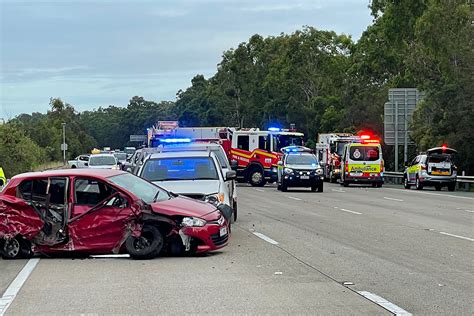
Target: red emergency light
{"points": [[368, 138], [444, 147]]}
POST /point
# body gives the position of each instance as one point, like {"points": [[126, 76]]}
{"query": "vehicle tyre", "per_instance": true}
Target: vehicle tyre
{"points": [[73, 167], [320, 187], [314, 188], [283, 187], [15, 248], [256, 177], [332, 179], [374, 185], [406, 184], [235, 211], [379, 184], [418, 184], [452, 187], [278, 186], [147, 246], [438, 187], [345, 184]]}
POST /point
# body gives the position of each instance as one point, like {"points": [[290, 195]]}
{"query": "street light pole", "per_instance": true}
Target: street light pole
{"points": [[64, 142]]}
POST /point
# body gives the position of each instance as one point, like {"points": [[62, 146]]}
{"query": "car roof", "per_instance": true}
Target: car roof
{"points": [[184, 154], [100, 173], [102, 155]]}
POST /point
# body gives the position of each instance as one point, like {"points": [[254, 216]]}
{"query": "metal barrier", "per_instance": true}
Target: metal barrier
{"points": [[397, 178]]}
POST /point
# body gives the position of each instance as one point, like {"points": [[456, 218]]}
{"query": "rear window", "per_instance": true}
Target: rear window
{"points": [[364, 153], [438, 159], [102, 161], [185, 168]]}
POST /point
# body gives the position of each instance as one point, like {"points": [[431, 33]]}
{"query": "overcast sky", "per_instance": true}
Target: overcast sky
{"points": [[95, 53]]}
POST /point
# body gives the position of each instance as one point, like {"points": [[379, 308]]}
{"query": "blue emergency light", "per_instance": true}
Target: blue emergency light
{"points": [[273, 129], [175, 140]]}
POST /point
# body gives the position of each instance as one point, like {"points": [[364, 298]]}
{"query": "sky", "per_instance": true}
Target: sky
{"points": [[93, 53]]}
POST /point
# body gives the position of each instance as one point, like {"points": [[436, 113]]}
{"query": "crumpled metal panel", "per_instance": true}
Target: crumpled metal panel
{"points": [[17, 217]]}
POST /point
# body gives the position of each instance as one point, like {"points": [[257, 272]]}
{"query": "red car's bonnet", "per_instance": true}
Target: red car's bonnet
{"points": [[186, 207]]}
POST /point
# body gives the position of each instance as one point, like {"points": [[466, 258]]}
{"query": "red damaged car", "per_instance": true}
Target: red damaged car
{"points": [[104, 211]]}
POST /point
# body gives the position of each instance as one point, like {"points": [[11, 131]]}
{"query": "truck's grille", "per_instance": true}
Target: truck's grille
{"points": [[218, 240]]}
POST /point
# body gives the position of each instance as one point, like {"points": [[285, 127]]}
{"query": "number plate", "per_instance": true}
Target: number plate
{"points": [[222, 231], [304, 177], [356, 174]]}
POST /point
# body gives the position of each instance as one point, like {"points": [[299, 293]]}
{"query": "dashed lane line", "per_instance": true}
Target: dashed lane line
{"points": [[384, 303], [266, 238], [259, 190], [392, 199], [15, 286], [349, 211], [294, 198], [457, 236]]}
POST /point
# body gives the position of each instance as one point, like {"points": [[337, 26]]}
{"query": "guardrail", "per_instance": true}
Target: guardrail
{"points": [[397, 178]]}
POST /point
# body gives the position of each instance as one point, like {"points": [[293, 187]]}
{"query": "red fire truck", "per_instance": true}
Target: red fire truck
{"points": [[256, 151], [329, 150]]}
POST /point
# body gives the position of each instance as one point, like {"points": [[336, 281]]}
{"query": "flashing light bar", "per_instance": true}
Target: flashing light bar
{"points": [[296, 149], [365, 137], [273, 129], [175, 140]]}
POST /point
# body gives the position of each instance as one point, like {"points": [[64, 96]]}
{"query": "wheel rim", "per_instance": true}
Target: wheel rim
{"points": [[143, 242], [257, 177], [12, 248]]}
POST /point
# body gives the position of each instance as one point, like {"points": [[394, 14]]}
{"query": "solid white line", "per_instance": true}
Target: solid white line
{"points": [[469, 211], [457, 236], [338, 190], [392, 199], [349, 211], [431, 193], [16, 285], [384, 303], [266, 238], [124, 255], [293, 198], [259, 190]]}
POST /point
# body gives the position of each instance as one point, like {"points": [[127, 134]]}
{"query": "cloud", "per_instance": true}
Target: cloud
{"points": [[54, 70], [272, 7]]}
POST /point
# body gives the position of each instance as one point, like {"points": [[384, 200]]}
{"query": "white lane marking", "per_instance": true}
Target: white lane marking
{"points": [[431, 193], [259, 190], [469, 211], [338, 190], [293, 198], [16, 285], [349, 211], [392, 199], [384, 303], [457, 236], [266, 238], [124, 255]]}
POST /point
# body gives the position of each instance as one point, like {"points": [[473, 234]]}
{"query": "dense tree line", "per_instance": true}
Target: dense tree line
{"points": [[319, 80]]}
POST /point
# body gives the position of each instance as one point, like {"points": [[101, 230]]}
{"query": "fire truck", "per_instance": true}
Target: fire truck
{"points": [[329, 150], [255, 152]]}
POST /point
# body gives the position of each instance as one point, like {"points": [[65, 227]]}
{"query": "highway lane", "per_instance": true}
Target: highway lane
{"points": [[396, 243], [289, 253]]}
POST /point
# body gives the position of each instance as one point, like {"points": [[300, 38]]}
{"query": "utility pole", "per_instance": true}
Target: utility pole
{"points": [[64, 143]]}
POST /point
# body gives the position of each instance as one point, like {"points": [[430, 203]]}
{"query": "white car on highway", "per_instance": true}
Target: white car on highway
{"points": [[80, 161], [195, 174], [103, 161]]}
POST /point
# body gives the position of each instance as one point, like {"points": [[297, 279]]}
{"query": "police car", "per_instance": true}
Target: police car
{"points": [[298, 167], [433, 168]]}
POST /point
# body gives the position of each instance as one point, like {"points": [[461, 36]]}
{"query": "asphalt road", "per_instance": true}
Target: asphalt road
{"points": [[290, 252]]}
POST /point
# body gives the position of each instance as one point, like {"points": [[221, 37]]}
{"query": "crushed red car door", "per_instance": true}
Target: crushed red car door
{"points": [[18, 217], [103, 227]]}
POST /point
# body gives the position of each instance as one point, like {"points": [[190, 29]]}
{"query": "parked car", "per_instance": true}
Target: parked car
{"points": [[196, 174], [103, 211], [221, 157], [121, 157], [433, 168], [103, 161], [81, 161]]}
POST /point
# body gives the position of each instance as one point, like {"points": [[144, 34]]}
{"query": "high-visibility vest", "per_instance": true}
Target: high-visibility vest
{"points": [[3, 180]]}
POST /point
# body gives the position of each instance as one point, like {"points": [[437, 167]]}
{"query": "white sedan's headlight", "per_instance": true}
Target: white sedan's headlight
{"points": [[193, 222], [288, 170], [214, 199]]}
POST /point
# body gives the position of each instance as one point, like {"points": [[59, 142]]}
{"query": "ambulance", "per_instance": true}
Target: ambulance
{"points": [[362, 162]]}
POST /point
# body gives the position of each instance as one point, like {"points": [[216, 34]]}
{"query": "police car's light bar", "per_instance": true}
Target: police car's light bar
{"points": [[295, 149], [175, 140], [273, 129]]}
